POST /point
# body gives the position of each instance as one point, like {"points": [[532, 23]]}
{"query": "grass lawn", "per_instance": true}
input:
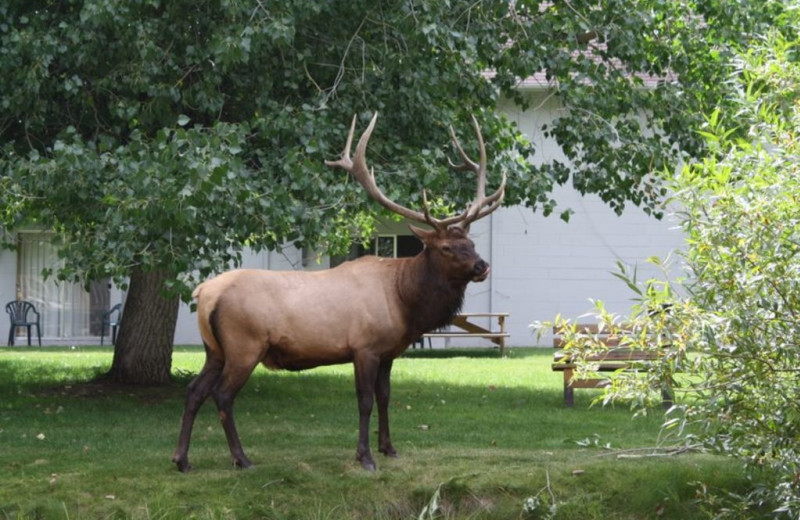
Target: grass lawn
{"points": [[477, 436]]}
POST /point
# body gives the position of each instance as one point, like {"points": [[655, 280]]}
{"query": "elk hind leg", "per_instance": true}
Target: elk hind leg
{"points": [[196, 394], [234, 376]]}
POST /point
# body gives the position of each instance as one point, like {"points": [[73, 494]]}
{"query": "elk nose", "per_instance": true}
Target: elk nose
{"points": [[480, 271]]}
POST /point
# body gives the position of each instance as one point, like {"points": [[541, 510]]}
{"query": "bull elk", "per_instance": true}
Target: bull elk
{"points": [[366, 311]]}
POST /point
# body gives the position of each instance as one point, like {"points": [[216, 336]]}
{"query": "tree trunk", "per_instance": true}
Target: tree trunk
{"points": [[143, 353]]}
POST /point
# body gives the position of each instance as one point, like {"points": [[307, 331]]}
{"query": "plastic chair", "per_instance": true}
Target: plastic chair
{"points": [[109, 320], [19, 310]]}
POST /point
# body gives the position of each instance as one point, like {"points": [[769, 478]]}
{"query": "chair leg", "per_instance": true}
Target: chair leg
{"points": [[39, 334], [114, 335], [11, 336], [29, 335]]}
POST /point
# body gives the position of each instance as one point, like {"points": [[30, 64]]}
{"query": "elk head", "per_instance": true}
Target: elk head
{"points": [[447, 243]]}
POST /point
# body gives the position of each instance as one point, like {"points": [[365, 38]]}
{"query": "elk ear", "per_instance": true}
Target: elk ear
{"points": [[423, 234]]}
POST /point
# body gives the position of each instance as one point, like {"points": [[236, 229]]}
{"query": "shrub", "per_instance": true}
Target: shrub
{"points": [[733, 324]]}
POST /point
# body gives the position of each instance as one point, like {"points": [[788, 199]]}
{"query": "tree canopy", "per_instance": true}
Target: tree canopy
{"points": [[167, 136]]}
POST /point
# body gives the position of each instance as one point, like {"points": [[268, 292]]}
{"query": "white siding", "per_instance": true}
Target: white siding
{"points": [[8, 288], [543, 267]]}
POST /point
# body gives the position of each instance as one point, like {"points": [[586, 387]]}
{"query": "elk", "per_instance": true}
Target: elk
{"points": [[366, 311]]}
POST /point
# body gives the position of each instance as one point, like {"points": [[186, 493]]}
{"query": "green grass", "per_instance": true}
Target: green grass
{"points": [[477, 433]]}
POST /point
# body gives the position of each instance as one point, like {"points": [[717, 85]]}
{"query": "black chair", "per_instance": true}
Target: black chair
{"points": [[19, 311], [112, 321]]}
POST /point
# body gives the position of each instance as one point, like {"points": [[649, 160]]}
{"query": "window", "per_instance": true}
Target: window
{"points": [[385, 246], [67, 309]]}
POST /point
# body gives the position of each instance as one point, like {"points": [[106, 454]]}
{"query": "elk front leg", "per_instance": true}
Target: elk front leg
{"points": [[196, 394], [366, 372], [382, 393]]}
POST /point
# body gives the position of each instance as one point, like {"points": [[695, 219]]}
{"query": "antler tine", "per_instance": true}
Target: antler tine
{"points": [[490, 203], [493, 201], [345, 162], [468, 164], [357, 167], [482, 205]]}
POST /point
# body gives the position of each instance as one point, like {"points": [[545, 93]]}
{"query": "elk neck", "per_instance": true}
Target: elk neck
{"points": [[429, 297]]}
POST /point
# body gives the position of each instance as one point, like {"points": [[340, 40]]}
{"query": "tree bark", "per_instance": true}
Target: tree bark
{"points": [[143, 353]]}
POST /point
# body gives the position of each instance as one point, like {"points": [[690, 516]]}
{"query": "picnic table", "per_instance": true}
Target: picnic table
{"points": [[469, 329]]}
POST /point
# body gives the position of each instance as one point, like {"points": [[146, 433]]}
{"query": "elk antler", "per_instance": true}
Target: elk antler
{"points": [[482, 205], [357, 167], [479, 208]]}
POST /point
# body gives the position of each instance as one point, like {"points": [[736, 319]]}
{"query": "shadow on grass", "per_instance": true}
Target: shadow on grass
{"points": [[445, 353], [452, 395], [478, 352]]}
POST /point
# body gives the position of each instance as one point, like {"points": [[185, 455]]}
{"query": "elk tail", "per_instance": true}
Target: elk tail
{"points": [[208, 322]]}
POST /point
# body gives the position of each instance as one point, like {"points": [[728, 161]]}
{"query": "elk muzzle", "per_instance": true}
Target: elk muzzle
{"points": [[481, 271]]}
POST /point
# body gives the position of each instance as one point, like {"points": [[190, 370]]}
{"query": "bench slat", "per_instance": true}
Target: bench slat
{"points": [[614, 355], [466, 335], [610, 341], [607, 367]]}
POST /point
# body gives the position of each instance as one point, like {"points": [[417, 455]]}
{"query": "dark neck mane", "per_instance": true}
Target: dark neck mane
{"points": [[430, 301]]}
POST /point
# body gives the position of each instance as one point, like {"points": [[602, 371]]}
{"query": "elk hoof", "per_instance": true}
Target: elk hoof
{"points": [[183, 465], [366, 462], [389, 452], [242, 463]]}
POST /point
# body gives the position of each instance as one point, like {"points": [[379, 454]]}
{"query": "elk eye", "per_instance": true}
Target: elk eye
{"points": [[446, 249]]}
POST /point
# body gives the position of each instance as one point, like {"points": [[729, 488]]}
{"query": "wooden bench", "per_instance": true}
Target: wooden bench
{"points": [[617, 357], [469, 329]]}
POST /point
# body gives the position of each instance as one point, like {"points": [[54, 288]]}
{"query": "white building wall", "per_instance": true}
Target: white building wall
{"points": [[8, 288], [543, 267]]}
